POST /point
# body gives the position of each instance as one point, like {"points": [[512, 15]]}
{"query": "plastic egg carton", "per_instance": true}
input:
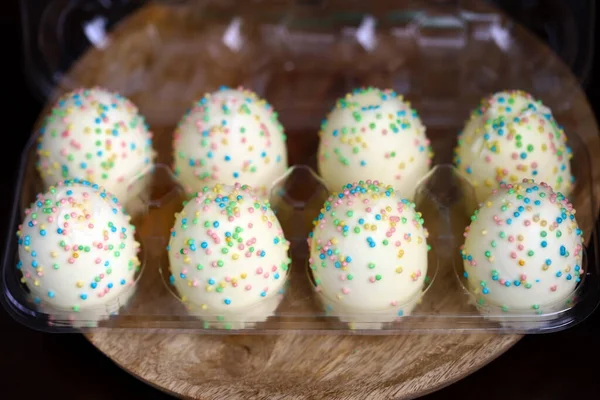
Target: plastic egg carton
{"points": [[301, 56]]}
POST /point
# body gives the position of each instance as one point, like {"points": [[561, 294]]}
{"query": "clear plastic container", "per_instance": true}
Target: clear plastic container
{"points": [[443, 56]]}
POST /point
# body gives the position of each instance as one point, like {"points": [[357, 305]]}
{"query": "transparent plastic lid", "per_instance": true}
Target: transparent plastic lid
{"points": [[302, 57]]}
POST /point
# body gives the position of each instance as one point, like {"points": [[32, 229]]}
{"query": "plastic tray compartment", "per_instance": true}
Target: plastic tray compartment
{"points": [[442, 56]]}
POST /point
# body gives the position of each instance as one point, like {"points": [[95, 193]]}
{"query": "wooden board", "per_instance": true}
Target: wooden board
{"points": [[286, 366]]}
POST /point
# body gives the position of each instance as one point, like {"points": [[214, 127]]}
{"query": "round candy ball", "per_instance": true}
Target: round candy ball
{"points": [[368, 249], [229, 136], [227, 250], [96, 135], [509, 137], [373, 134], [523, 249], [77, 248]]}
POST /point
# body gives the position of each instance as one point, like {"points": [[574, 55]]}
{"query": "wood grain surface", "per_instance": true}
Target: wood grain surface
{"points": [[163, 58]]}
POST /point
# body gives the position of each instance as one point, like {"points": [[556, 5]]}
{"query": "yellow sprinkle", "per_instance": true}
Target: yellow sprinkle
{"points": [[235, 256], [521, 262], [399, 270], [400, 253], [209, 288], [204, 306], [484, 232], [36, 283], [79, 284]]}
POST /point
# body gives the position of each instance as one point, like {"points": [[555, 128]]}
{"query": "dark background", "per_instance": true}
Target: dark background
{"points": [[35, 365]]}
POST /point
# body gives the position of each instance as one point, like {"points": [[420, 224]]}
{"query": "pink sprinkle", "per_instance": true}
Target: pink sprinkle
{"points": [[71, 260], [520, 247], [502, 281], [266, 275], [372, 279], [527, 222], [553, 288], [98, 260], [227, 279], [394, 303], [195, 283], [513, 255], [259, 271], [248, 287], [345, 290]]}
